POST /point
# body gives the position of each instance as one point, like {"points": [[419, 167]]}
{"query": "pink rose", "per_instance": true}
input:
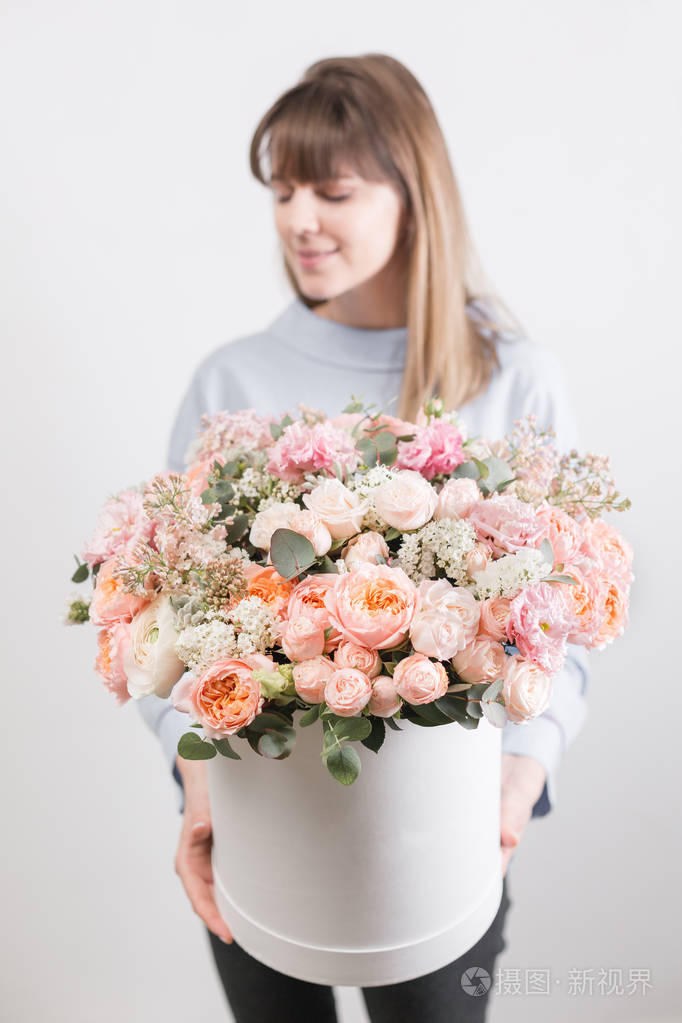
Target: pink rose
{"points": [[407, 501], [308, 524], [310, 678], [277, 516], [457, 498], [347, 691], [539, 622], [437, 448], [494, 617], [373, 606], [350, 655], [366, 547], [481, 661], [225, 698], [563, 532], [304, 448], [508, 523], [419, 680], [476, 559], [526, 690], [339, 508], [110, 602], [301, 639], [384, 701], [446, 619]]}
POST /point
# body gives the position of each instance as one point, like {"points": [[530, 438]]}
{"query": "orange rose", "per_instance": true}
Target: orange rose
{"points": [[270, 586]]}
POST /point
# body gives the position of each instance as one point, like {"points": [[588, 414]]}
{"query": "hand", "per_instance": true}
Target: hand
{"points": [[523, 779], [193, 858]]}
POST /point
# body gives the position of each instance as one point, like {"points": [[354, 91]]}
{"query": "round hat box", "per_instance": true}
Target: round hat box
{"points": [[372, 883]]}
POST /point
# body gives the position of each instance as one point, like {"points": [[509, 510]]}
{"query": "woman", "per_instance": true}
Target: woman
{"points": [[376, 248]]}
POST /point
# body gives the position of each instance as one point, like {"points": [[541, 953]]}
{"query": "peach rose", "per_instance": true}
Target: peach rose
{"points": [[373, 606], [226, 697], [615, 604], [586, 602], [150, 661], [197, 475], [350, 655], [405, 502], [310, 678], [384, 701], [347, 691], [277, 516], [563, 532], [301, 639], [482, 660], [112, 644], [437, 635], [476, 559], [339, 508], [307, 598], [272, 588], [612, 551], [526, 689], [311, 526], [494, 617], [110, 601], [366, 547], [456, 499], [419, 680]]}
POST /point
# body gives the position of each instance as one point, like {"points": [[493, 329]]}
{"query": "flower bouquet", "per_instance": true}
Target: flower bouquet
{"points": [[334, 589]]}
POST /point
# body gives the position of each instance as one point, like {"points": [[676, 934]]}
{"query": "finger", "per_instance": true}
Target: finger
{"points": [[200, 894]]}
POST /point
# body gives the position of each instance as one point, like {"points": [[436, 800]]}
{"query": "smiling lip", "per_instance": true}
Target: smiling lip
{"points": [[311, 256]]}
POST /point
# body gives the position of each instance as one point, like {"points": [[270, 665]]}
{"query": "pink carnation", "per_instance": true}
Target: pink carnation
{"points": [[539, 622], [507, 523], [121, 523], [437, 448], [303, 448]]}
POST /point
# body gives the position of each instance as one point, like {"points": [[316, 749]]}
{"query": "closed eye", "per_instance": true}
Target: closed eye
{"points": [[329, 198]]}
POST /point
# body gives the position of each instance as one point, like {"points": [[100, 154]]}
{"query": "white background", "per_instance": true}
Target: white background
{"points": [[133, 241]]}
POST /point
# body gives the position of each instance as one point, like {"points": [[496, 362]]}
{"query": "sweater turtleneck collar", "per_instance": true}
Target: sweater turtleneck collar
{"points": [[337, 344]]}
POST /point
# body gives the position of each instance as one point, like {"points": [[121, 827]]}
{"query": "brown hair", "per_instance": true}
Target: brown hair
{"points": [[371, 112]]}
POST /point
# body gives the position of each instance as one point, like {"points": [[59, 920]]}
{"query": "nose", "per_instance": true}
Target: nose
{"points": [[301, 212]]}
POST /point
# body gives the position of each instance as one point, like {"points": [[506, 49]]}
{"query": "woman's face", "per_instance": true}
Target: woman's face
{"points": [[336, 234]]}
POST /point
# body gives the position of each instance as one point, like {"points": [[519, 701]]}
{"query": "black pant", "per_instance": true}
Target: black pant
{"points": [[259, 994]]}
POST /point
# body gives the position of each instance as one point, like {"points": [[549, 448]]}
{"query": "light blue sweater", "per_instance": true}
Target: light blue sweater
{"points": [[303, 357]]}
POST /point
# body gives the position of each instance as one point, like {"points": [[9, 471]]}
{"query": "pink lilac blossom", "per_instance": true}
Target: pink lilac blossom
{"points": [[539, 622], [121, 523], [226, 434], [305, 449], [437, 448]]}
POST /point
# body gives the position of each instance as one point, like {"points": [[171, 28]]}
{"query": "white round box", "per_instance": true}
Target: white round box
{"points": [[372, 883]]}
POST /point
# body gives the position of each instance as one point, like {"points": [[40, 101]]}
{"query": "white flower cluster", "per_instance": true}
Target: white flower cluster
{"points": [[510, 574], [442, 543], [364, 484], [251, 629]]}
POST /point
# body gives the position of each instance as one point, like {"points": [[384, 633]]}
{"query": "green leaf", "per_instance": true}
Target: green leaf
{"points": [[191, 747], [498, 473], [291, 553], [474, 709], [468, 470], [392, 723], [482, 468], [237, 528], [429, 712], [493, 691], [269, 719], [224, 748], [309, 716], [81, 574], [495, 713], [392, 533], [353, 728], [375, 739], [323, 565], [343, 763], [276, 431], [560, 578], [273, 745], [547, 552]]}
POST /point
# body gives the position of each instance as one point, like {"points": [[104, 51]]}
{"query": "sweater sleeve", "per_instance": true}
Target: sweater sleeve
{"points": [[546, 737], [160, 714]]}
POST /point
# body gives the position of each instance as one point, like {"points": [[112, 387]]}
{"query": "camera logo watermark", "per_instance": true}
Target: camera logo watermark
{"points": [[476, 981]]}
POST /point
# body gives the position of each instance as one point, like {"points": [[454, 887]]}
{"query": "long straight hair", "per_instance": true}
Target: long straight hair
{"points": [[371, 112]]}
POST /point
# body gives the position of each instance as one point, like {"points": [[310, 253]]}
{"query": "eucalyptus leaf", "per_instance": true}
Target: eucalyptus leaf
{"points": [[495, 713], [468, 470], [291, 553], [560, 578], [547, 552], [224, 748], [237, 528], [344, 764], [353, 728], [309, 716], [474, 709], [492, 692], [268, 719], [393, 724], [191, 747], [81, 574], [498, 472], [273, 745]]}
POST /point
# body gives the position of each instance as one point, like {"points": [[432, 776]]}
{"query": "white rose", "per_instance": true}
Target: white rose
{"points": [[407, 501], [367, 547], [340, 509], [526, 689], [150, 663], [277, 516], [457, 498]]}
